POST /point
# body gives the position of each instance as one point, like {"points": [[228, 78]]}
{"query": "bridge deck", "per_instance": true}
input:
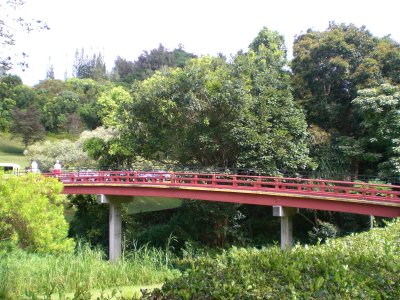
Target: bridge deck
{"points": [[344, 196]]}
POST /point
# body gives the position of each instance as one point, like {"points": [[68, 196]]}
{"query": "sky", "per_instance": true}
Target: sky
{"points": [[126, 28]]}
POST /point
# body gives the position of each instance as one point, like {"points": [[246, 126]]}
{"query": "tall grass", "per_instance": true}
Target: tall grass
{"points": [[23, 273]]}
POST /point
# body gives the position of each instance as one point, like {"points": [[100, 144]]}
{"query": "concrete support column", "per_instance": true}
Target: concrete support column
{"points": [[286, 214], [115, 224], [115, 231]]}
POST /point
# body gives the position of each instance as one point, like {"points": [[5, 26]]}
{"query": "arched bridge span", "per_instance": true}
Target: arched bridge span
{"points": [[342, 196], [284, 194]]}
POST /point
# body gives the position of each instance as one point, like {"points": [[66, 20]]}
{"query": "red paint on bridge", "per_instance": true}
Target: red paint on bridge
{"points": [[342, 196]]}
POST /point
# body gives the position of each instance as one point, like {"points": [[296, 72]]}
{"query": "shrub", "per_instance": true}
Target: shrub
{"points": [[356, 267], [322, 232]]}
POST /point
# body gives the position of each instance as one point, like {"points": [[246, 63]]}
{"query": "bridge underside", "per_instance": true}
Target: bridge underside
{"points": [[348, 205]]}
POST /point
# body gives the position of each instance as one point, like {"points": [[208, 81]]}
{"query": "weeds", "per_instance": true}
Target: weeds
{"points": [[29, 274]]}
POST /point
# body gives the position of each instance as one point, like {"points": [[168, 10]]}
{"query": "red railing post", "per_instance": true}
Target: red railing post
{"points": [[276, 180], [259, 183], [172, 177]]}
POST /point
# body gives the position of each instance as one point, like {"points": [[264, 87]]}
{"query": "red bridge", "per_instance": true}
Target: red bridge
{"points": [[342, 196], [286, 195]]}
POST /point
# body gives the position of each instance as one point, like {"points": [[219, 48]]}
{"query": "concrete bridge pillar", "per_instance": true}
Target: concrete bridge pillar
{"points": [[115, 241], [115, 224], [286, 214]]}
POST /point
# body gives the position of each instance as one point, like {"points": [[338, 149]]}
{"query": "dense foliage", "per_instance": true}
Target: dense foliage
{"points": [[379, 108], [356, 267], [126, 72], [226, 114], [32, 213], [329, 68]]}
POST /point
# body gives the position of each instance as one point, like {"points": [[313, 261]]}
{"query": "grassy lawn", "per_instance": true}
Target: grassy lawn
{"points": [[12, 150], [146, 204]]}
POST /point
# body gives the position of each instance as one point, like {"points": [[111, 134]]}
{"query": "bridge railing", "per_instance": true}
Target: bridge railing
{"points": [[317, 187]]}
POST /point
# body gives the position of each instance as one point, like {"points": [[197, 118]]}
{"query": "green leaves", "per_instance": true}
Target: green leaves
{"points": [[380, 120], [329, 68], [357, 267], [217, 113], [111, 102], [31, 213]]}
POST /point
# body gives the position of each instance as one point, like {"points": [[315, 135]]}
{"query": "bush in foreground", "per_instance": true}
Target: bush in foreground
{"points": [[32, 213], [366, 266]]}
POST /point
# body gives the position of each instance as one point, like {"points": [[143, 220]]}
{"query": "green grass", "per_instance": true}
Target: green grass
{"points": [[86, 271], [12, 150], [122, 292], [146, 204]]}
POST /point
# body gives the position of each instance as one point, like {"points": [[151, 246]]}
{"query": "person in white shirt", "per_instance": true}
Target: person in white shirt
{"points": [[34, 167], [57, 168]]}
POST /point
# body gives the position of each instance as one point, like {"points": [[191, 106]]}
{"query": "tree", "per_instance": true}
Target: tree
{"points": [[26, 124], [86, 67], [123, 69], [50, 72], [380, 120], [272, 131], [49, 88], [111, 101], [105, 147], [32, 213], [70, 153], [329, 68], [90, 222], [149, 62], [88, 91], [58, 109], [25, 97], [215, 113], [7, 103]]}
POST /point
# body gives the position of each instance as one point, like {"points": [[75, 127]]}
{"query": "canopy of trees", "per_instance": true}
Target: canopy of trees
{"points": [[238, 113], [329, 68]]}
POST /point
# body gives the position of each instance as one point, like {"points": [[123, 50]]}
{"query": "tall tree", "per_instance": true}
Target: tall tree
{"points": [[380, 121], [149, 62], [25, 97], [123, 69], [88, 91], [89, 67], [329, 68], [57, 110], [27, 125], [50, 72], [7, 101], [215, 113]]}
